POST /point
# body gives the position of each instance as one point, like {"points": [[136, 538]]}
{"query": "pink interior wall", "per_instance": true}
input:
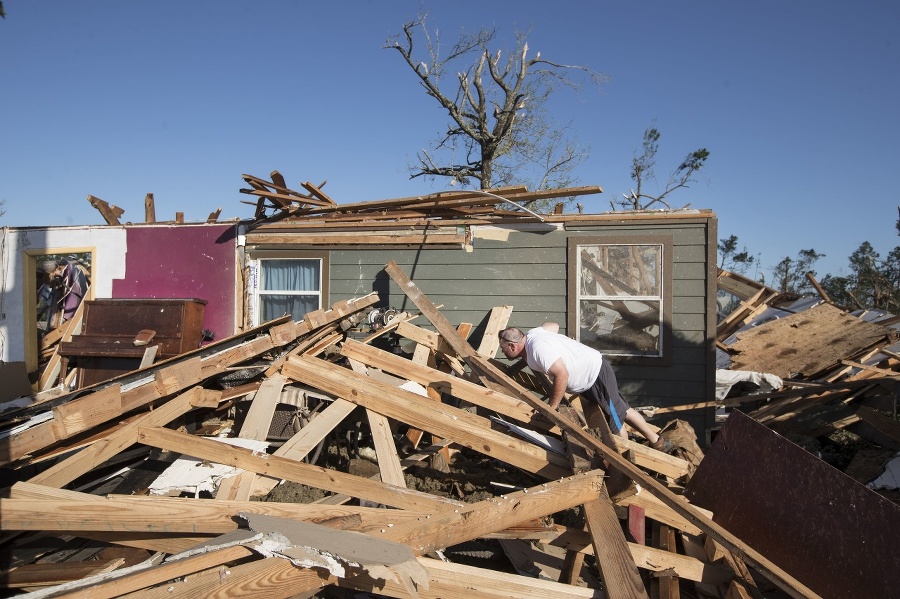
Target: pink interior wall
{"points": [[183, 261]]}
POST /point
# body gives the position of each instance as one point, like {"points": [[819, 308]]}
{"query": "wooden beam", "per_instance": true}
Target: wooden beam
{"points": [[277, 578], [118, 586], [445, 421], [490, 342], [650, 558], [109, 212], [89, 458], [149, 209], [441, 381], [322, 478], [446, 579], [300, 445]]}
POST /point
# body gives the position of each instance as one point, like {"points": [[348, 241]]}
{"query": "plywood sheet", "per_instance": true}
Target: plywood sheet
{"points": [[804, 343]]}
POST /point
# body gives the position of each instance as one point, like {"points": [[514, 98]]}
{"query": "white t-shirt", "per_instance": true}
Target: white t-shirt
{"points": [[543, 348]]}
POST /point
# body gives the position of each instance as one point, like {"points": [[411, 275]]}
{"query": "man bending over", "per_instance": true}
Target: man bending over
{"points": [[577, 368]]}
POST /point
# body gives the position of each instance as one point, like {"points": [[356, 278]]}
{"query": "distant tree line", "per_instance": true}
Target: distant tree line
{"points": [[871, 281]]}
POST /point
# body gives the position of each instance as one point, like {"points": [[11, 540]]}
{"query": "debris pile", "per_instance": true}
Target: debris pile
{"points": [[825, 377], [583, 515]]}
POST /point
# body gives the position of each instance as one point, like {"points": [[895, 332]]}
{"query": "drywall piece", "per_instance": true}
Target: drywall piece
{"points": [[798, 511], [190, 475], [314, 545]]}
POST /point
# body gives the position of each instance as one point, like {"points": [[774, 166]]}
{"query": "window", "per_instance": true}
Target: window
{"points": [[620, 290], [286, 286]]}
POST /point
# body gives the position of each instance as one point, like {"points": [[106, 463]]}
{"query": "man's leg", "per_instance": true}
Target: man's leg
{"points": [[634, 418]]}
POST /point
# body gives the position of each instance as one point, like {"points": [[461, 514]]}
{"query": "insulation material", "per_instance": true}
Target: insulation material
{"points": [[891, 477], [726, 379]]}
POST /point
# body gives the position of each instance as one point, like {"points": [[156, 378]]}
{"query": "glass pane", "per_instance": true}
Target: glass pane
{"points": [[274, 306], [621, 327], [621, 270], [290, 275]]}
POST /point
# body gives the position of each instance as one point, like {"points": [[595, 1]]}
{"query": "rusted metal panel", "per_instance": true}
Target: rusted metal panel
{"points": [[830, 532]]}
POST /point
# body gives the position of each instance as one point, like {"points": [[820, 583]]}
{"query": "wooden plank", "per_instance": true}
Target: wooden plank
{"points": [[149, 209], [88, 458], [614, 560], [497, 321], [322, 478], [441, 381], [142, 390], [451, 239], [79, 415], [109, 212], [272, 578], [665, 585], [659, 511], [651, 558], [429, 339], [637, 524], [423, 356], [48, 574], [445, 421], [571, 568], [262, 409], [386, 450], [693, 547], [651, 459], [459, 581], [149, 356], [53, 367], [617, 568], [301, 444], [884, 424], [255, 426], [806, 343], [178, 376], [743, 582], [141, 579], [215, 511], [317, 193], [280, 578]]}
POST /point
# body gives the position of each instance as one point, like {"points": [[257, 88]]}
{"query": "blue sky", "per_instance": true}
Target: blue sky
{"points": [[797, 103]]}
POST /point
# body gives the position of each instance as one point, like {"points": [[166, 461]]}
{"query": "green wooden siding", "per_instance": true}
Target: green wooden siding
{"points": [[529, 271]]}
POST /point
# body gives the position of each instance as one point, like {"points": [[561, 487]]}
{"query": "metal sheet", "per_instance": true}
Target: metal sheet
{"points": [[830, 532]]}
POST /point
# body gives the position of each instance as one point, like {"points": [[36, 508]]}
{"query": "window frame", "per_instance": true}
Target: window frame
{"points": [[665, 242], [255, 270]]}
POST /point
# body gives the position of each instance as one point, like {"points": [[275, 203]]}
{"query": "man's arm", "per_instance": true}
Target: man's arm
{"points": [[559, 374]]}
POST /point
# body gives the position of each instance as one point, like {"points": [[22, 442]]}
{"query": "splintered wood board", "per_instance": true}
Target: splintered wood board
{"points": [[804, 343]]}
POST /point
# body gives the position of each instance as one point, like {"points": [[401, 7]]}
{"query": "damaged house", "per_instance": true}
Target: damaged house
{"points": [[256, 408]]}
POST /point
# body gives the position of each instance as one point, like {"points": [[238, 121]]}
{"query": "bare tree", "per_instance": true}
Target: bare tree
{"points": [[732, 259], [642, 171], [499, 128]]}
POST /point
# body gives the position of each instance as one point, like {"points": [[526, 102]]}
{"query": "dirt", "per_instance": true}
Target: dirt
{"points": [[469, 477]]}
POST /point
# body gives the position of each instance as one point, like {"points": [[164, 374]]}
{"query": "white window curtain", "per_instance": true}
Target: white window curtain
{"points": [[289, 286]]}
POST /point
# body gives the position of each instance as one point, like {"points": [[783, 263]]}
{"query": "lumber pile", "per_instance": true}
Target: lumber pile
{"points": [[581, 515]]}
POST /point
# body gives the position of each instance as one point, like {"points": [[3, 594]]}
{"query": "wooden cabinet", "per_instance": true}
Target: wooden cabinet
{"points": [[105, 348]]}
